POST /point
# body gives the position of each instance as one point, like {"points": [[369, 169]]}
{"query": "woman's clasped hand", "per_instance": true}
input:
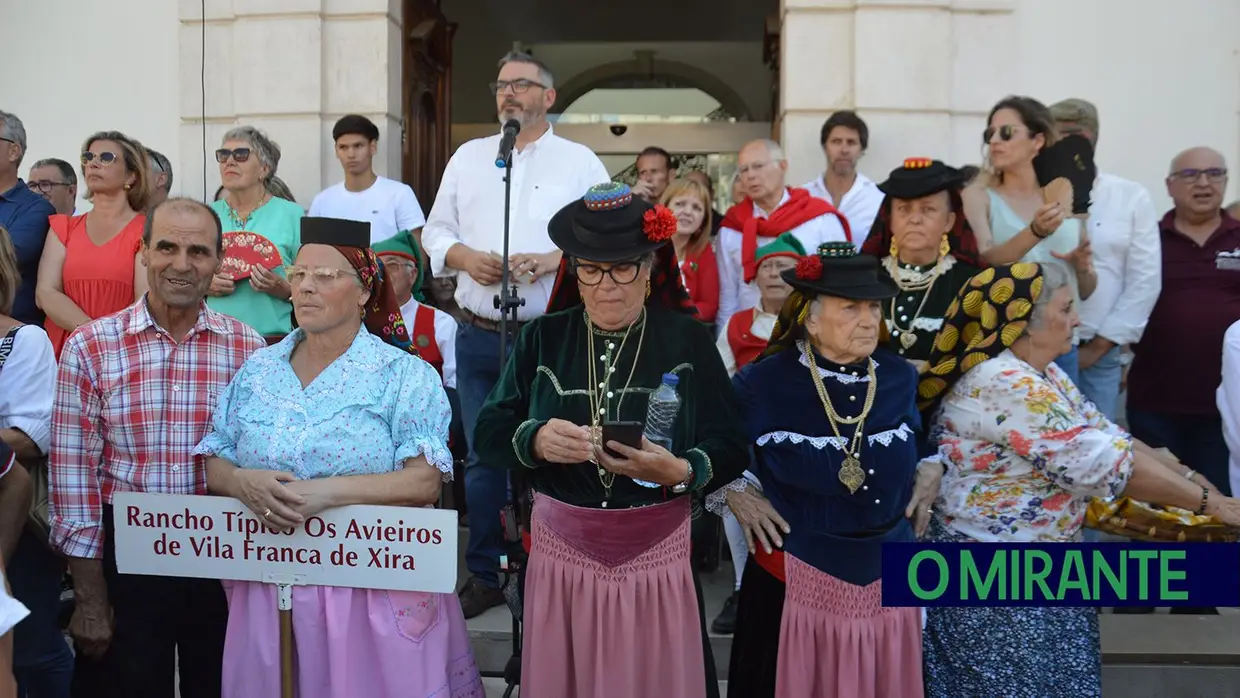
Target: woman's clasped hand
{"points": [[651, 463], [265, 493]]}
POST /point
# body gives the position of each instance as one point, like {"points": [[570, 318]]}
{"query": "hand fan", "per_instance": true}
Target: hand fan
{"points": [[244, 249], [1070, 159]]}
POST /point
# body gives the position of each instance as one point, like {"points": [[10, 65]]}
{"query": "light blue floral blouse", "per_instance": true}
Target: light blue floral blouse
{"points": [[366, 413]]}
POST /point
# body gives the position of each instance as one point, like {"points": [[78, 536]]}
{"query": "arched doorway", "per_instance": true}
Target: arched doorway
{"points": [[697, 118]]}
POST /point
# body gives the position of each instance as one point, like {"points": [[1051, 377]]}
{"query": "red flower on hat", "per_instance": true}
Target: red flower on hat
{"points": [[659, 223], [809, 268]]}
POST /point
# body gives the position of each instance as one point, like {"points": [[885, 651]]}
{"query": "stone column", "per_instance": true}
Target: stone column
{"points": [[922, 73], [290, 68]]}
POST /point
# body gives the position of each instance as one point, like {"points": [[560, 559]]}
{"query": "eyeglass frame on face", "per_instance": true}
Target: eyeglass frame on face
{"points": [[609, 271], [46, 186], [519, 86], [105, 158], [297, 274], [1006, 133], [239, 155], [1190, 175]]}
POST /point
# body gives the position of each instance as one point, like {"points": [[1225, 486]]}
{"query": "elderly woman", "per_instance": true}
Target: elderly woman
{"points": [[91, 265], [612, 607], [1008, 211], [689, 200], [1025, 453], [248, 161], [340, 412], [835, 429], [927, 248]]}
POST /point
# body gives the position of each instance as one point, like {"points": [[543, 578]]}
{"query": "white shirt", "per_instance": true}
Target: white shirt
{"points": [[860, 203], [762, 326], [445, 337], [469, 209], [734, 293], [389, 206], [1123, 232], [27, 385], [1228, 399]]}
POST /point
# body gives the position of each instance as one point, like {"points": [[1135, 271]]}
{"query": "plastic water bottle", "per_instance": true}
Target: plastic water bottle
{"points": [[661, 416]]}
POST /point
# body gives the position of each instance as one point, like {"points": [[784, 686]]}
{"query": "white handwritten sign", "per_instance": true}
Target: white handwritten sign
{"points": [[367, 547]]}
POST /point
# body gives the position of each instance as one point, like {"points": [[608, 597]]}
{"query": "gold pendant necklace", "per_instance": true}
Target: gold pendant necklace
{"points": [[599, 389], [907, 336], [851, 474]]}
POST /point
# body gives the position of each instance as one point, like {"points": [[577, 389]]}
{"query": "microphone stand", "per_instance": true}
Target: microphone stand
{"points": [[507, 301]]}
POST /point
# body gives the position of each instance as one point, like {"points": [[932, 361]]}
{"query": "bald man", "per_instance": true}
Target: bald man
{"points": [[769, 209], [1175, 373]]}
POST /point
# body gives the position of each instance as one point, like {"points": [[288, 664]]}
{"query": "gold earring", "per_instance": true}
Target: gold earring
{"points": [[647, 288], [945, 246], [895, 251], [126, 187]]}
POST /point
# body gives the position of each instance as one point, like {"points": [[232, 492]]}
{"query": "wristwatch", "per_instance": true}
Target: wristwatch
{"points": [[683, 486]]}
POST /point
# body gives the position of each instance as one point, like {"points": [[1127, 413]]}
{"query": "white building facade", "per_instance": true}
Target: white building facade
{"points": [[1165, 76]]}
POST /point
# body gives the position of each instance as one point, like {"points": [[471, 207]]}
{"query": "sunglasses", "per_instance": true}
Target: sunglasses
{"points": [[104, 158], [1006, 133], [237, 154]]}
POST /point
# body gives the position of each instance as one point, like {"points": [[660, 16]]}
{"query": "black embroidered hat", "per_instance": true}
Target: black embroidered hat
{"points": [[837, 269]]}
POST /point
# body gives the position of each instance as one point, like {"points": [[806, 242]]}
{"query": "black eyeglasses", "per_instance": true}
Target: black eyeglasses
{"points": [[45, 185], [1213, 174], [518, 86], [1006, 133], [237, 154], [104, 158], [623, 273]]}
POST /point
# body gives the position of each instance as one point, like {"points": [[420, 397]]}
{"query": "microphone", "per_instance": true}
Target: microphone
{"points": [[511, 128]]}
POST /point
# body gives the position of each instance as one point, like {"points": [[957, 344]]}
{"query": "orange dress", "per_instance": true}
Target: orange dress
{"points": [[98, 278]]}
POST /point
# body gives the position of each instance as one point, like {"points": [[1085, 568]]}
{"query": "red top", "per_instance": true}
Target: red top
{"points": [[98, 278], [424, 337], [745, 345], [1178, 363], [700, 273]]}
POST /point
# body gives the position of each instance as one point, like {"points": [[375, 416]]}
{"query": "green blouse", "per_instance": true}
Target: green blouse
{"points": [[547, 377], [280, 222], [914, 314]]}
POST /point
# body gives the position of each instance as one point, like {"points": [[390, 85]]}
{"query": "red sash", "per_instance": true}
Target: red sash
{"points": [[772, 562], [424, 337], [799, 209], [745, 344]]}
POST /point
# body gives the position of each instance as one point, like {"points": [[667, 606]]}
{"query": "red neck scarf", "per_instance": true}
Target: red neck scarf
{"points": [[799, 209]]}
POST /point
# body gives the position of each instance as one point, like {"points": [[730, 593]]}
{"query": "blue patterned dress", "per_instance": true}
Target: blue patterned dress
{"points": [[367, 413]]}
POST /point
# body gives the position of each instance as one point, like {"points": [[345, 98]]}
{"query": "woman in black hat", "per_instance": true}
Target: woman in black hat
{"points": [[612, 608], [927, 248], [834, 424]]}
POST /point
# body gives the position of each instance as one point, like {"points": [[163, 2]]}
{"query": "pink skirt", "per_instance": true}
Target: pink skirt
{"points": [[350, 642], [611, 610], [838, 641]]}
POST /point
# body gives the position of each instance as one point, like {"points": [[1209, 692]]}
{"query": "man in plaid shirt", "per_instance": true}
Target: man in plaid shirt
{"points": [[134, 395]]}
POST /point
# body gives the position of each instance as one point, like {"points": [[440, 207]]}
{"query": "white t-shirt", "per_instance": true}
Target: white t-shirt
{"points": [[389, 206]]}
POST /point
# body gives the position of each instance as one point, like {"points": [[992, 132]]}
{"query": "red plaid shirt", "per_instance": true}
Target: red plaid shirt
{"points": [[131, 404]]}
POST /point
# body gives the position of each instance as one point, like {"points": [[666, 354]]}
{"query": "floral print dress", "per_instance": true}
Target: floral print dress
{"points": [[1025, 452]]}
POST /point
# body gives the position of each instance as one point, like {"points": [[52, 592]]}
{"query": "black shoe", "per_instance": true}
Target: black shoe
{"points": [[477, 598], [725, 622]]}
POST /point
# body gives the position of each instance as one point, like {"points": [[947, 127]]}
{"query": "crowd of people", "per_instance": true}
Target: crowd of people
{"points": [[940, 355]]}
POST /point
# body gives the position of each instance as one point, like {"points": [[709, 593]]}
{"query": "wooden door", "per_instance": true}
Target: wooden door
{"points": [[426, 98]]}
